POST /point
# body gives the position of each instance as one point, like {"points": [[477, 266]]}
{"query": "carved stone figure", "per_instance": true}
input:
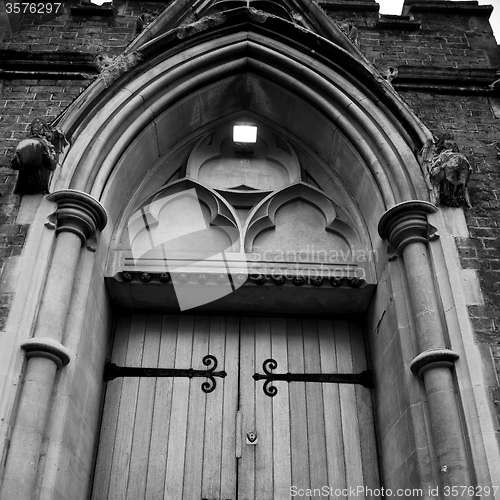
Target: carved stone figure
{"points": [[451, 171], [351, 31], [35, 158], [143, 20]]}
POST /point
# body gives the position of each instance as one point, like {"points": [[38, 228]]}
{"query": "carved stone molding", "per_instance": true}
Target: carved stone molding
{"points": [[406, 223], [433, 358], [46, 348], [79, 213]]}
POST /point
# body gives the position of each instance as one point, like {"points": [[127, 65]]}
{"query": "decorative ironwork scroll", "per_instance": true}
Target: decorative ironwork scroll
{"points": [[363, 378], [112, 371]]}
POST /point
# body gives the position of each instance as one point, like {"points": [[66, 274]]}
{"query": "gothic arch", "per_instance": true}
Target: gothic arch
{"points": [[179, 91]]}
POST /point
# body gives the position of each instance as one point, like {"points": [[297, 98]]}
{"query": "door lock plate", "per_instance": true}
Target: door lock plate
{"points": [[252, 438]]}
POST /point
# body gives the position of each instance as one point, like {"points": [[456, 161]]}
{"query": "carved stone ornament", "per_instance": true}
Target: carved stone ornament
{"points": [[36, 158], [111, 68], [165, 277], [143, 21], [299, 280], [279, 280], [351, 32], [127, 277], [145, 277], [451, 171], [189, 29]]}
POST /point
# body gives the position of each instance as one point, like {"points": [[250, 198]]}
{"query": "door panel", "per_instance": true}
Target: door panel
{"points": [[164, 438], [159, 428], [309, 433]]}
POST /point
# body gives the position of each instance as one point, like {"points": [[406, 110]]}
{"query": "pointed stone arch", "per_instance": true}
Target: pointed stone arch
{"points": [[249, 65]]}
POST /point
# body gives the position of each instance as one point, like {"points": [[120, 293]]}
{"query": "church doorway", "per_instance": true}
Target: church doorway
{"points": [[229, 437]]}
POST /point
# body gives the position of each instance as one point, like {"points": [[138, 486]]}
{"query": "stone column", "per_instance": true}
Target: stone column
{"points": [[79, 216], [406, 228]]}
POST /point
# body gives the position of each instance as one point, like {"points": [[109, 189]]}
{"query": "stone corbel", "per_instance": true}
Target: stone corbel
{"points": [[36, 158]]}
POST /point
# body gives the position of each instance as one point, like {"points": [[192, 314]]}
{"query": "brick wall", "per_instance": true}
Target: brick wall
{"points": [[67, 32], [22, 100]]}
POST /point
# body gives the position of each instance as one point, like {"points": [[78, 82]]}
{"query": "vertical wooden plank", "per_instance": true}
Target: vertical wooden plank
{"points": [[214, 415], [281, 414], [126, 418], [331, 398], [246, 466], [263, 416], [228, 469], [298, 407], [162, 411], [144, 412], [315, 408], [350, 426], [193, 468], [178, 421], [110, 413], [369, 457]]}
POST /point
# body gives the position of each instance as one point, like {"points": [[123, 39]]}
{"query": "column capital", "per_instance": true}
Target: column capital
{"points": [[433, 358], [406, 223], [78, 213]]}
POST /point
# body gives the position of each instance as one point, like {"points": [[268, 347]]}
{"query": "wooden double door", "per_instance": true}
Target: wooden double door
{"points": [[165, 438]]}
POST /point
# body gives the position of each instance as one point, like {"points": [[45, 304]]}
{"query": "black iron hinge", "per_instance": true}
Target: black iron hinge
{"points": [[112, 371], [363, 378]]}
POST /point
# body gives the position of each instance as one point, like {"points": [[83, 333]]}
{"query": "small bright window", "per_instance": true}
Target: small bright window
{"points": [[245, 133]]}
